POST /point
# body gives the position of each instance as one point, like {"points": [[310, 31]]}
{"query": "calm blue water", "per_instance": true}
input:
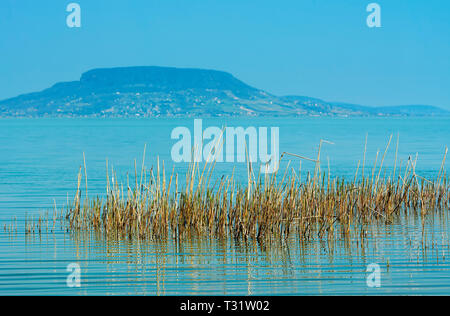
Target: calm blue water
{"points": [[39, 162]]}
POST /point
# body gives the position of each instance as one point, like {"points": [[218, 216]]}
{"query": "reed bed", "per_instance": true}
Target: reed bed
{"points": [[155, 206], [272, 206]]}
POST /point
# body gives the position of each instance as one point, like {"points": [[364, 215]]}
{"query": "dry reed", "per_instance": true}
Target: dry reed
{"points": [[156, 208], [268, 207]]}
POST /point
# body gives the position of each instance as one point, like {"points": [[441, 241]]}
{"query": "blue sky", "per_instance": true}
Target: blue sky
{"points": [[317, 48]]}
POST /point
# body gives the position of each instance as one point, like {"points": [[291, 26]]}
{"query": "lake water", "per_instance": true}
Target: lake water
{"points": [[40, 159]]}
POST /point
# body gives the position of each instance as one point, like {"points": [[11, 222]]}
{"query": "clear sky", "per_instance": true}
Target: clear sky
{"points": [[317, 48]]}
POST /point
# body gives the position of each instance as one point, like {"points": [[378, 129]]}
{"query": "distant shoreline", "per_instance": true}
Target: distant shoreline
{"points": [[178, 92]]}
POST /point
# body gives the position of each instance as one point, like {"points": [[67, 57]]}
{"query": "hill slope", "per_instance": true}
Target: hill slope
{"points": [[168, 92]]}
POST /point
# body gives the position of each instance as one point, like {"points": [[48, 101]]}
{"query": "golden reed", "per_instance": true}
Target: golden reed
{"points": [[269, 206]]}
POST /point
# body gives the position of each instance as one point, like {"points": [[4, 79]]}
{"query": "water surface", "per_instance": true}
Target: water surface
{"points": [[40, 159]]}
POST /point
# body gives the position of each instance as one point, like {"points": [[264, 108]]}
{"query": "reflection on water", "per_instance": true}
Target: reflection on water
{"points": [[413, 261]]}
